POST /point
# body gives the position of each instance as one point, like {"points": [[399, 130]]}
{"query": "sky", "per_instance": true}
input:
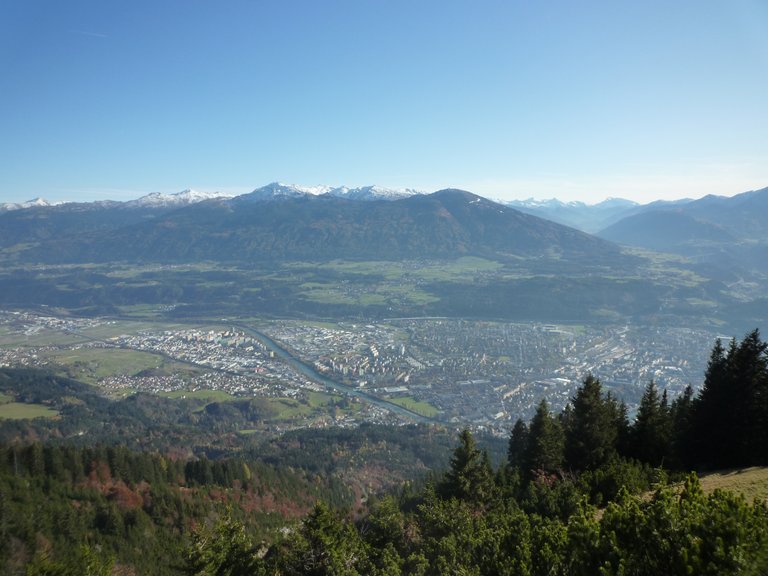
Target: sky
{"points": [[509, 99]]}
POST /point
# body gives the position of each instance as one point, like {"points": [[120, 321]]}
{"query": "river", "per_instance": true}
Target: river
{"points": [[310, 372]]}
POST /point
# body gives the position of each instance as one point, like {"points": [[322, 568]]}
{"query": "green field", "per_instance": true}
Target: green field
{"points": [[209, 395], [19, 411], [409, 403], [381, 283], [91, 364], [14, 339]]}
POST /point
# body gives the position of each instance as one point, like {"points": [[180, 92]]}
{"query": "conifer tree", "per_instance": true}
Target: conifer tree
{"points": [[518, 444], [730, 415], [591, 432], [470, 476], [545, 442], [325, 544], [651, 439], [223, 550], [680, 416]]}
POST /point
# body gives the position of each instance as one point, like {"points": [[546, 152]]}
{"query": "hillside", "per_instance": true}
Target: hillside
{"points": [[725, 238], [752, 483], [577, 491], [666, 231], [713, 219], [449, 223], [286, 251]]}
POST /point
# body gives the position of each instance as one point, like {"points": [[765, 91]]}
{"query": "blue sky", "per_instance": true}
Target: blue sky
{"points": [[509, 99]]}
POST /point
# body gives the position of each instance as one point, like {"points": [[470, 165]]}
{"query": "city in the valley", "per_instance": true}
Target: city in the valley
{"points": [[470, 373]]}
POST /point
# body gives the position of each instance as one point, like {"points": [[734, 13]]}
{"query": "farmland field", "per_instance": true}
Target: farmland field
{"points": [[19, 411]]}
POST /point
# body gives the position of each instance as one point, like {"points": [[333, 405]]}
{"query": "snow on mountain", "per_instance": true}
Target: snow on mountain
{"points": [[276, 190], [586, 217], [534, 204], [183, 198], [616, 203], [34, 203], [373, 193]]}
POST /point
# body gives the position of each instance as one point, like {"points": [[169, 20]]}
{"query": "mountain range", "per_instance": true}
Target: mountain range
{"points": [[279, 248], [281, 222], [270, 191]]}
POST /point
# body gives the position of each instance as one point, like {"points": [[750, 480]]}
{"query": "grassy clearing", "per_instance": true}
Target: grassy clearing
{"points": [[19, 411], [208, 395], [288, 408], [667, 268], [141, 311], [752, 483], [313, 403], [409, 403], [40, 338], [465, 268], [381, 295], [5, 399], [91, 364], [382, 269]]}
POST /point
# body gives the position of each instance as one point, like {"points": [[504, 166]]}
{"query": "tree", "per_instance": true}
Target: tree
{"points": [[325, 545], [707, 442], [470, 476], [224, 550], [545, 442], [651, 434], [591, 431], [730, 416], [82, 562], [518, 444], [680, 415]]}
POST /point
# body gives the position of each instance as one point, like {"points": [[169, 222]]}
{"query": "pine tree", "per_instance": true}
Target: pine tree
{"points": [[730, 415], [680, 415], [651, 434], [224, 550], [591, 431], [470, 476], [325, 544], [518, 444], [545, 443]]}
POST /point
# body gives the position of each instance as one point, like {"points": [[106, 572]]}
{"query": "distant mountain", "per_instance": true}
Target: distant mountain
{"points": [[590, 218], [183, 198], [43, 223], [587, 217], [665, 230], [186, 197], [743, 217], [448, 223], [277, 190], [727, 237], [36, 202], [373, 193]]}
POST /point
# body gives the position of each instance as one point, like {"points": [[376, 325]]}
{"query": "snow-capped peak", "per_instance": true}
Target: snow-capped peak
{"points": [[533, 203], [373, 193], [34, 203], [276, 190], [183, 198]]}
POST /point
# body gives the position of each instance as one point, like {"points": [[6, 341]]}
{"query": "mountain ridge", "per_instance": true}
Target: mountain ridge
{"points": [[447, 223]]}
